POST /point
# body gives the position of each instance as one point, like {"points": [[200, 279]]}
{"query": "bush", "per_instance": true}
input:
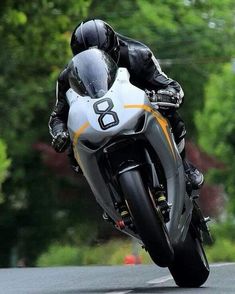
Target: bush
{"points": [[110, 253], [115, 251], [224, 230], [59, 255], [222, 250], [223, 234]]}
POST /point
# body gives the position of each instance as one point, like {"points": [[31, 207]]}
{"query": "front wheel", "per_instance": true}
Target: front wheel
{"points": [[149, 225], [190, 267]]}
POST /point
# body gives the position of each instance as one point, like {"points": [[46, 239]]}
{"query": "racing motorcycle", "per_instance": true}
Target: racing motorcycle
{"points": [[128, 156]]}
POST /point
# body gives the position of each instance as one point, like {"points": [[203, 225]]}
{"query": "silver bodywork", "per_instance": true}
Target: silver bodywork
{"points": [[130, 104]]}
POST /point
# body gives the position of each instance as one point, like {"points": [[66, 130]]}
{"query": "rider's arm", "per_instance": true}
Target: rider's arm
{"points": [[59, 115], [157, 79]]}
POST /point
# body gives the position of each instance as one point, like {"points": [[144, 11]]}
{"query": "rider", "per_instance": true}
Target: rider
{"points": [[145, 73]]}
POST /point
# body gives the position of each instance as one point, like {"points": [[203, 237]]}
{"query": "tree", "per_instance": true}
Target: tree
{"points": [[216, 124], [190, 38], [34, 48]]}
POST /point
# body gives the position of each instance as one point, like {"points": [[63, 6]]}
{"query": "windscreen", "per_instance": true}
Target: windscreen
{"points": [[92, 73]]}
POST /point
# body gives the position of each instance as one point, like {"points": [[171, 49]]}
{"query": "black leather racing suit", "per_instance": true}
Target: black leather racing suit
{"points": [[145, 73]]}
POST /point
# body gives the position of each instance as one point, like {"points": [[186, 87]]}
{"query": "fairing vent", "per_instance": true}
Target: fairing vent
{"points": [[140, 124], [89, 145]]}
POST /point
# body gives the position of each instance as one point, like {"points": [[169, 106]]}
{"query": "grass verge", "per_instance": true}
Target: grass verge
{"points": [[115, 251]]}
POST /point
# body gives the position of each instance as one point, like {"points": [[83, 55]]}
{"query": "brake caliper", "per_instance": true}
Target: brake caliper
{"points": [[163, 206]]}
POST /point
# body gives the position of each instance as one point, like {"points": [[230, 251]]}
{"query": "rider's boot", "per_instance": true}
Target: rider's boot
{"points": [[195, 177]]}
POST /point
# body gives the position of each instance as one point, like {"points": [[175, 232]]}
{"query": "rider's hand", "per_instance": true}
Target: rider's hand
{"points": [[61, 141], [168, 96]]}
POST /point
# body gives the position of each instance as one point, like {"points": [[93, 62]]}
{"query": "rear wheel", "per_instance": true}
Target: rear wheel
{"points": [[190, 267], [147, 220]]}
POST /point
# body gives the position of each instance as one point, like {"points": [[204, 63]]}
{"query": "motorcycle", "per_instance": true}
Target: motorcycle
{"points": [[128, 156]]}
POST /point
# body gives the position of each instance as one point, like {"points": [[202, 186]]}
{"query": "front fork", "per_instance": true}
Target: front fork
{"points": [[134, 158]]}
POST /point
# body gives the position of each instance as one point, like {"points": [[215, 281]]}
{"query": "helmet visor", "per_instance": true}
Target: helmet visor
{"points": [[92, 73]]}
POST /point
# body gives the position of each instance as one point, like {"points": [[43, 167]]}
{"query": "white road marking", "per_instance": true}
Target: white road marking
{"points": [[123, 292], [152, 282], [160, 280], [169, 277]]}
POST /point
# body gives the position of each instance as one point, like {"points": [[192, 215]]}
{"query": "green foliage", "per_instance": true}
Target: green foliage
{"points": [[216, 122], [222, 250], [4, 162], [115, 251], [216, 125], [191, 39], [224, 230], [58, 256], [34, 48], [4, 165], [110, 253], [33, 51]]}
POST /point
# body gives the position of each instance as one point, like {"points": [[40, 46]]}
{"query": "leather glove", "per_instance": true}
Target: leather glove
{"points": [[169, 96], [61, 141]]}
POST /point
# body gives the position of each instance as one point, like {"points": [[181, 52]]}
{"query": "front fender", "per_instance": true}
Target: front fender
{"points": [[162, 141]]}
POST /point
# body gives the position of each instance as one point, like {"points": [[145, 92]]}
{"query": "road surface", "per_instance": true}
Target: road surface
{"points": [[109, 279]]}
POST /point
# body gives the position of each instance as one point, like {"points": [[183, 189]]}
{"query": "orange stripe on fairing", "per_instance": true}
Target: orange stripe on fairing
{"points": [[159, 118], [79, 131], [76, 136]]}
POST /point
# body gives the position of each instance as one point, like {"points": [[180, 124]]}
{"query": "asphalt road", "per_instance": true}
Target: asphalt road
{"points": [[109, 279]]}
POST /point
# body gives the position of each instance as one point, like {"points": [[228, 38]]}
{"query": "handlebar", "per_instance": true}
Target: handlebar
{"points": [[165, 104], [156, 100]]}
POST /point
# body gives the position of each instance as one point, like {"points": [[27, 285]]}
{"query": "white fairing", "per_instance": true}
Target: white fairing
{"points": [[121, 94]]}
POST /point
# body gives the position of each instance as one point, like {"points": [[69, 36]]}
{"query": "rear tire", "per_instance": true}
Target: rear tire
{"points": [[150, 227], [190, 267]]}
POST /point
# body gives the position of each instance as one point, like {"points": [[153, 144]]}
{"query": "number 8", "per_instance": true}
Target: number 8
{"points": [[104, 108]]}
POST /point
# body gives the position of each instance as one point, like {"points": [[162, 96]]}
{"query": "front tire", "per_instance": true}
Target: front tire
{"points": [[149, 225], [190, 267]]}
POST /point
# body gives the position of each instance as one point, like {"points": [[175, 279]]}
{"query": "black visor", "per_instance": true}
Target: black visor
{"points": [[92, 73]]}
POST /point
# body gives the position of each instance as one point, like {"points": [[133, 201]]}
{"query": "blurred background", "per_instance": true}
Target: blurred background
{"points": [[48, 215]]}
